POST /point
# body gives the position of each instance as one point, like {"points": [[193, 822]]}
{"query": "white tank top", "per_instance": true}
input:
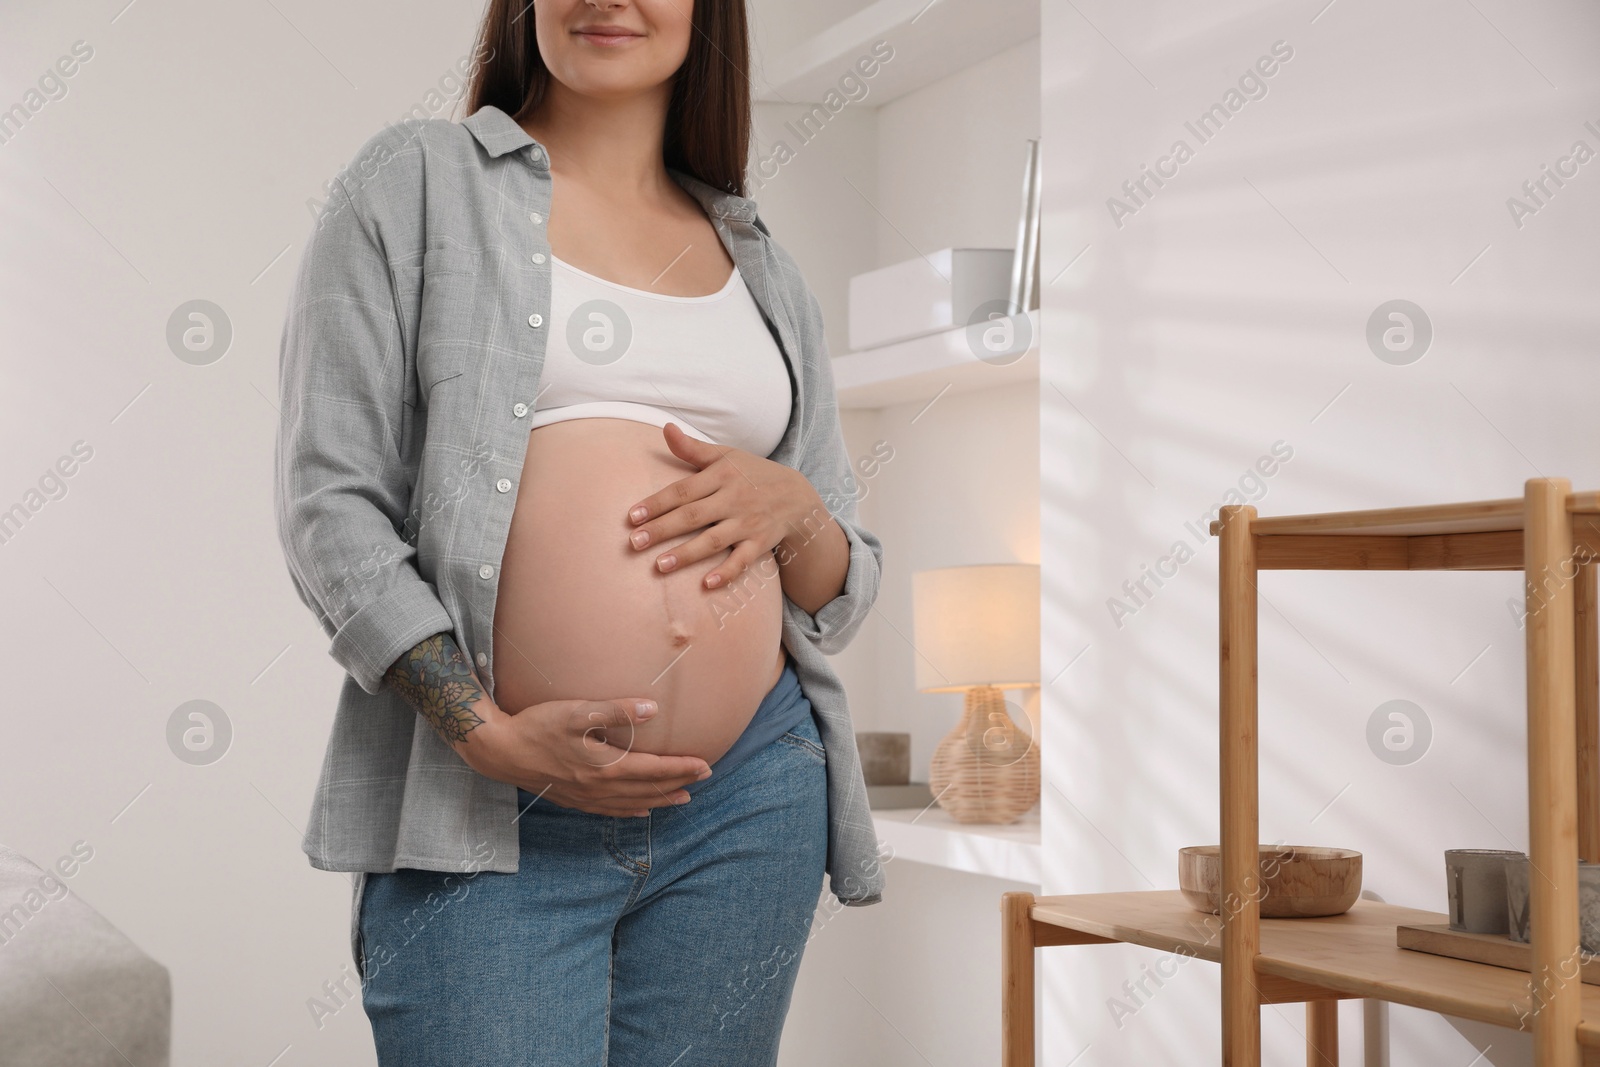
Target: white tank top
{"points": [[707, 363]]}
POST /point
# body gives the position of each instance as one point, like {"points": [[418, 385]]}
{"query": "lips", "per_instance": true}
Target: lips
{"points": [[608, 34]]}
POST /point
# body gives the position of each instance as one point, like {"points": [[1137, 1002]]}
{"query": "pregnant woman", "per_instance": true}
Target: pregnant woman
{"points": [[560, 472]]}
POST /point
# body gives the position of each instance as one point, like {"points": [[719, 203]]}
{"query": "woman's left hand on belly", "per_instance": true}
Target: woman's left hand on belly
{"points": [[743, 501]]}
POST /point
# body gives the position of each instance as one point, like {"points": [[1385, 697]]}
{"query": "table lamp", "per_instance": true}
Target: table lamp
{"points": [[976, 630]]}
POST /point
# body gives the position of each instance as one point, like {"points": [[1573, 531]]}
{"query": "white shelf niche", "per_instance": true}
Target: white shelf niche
{"points": [[930, 835], [931, 40], [919, 369]]}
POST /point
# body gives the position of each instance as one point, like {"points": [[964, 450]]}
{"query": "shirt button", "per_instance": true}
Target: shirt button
{"points": [[536, 155], [504, 485], [535, 217], [519, 409], [537, 257], [536, 320], [483, 660], [485, 571]]}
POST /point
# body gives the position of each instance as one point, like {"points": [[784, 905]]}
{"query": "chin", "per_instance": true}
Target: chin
{"points": [[605, 78]]}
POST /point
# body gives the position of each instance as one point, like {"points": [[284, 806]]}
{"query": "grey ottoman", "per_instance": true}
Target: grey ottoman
{"points": [[74, 992]]}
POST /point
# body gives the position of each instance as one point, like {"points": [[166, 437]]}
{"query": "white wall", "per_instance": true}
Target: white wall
{"points": [[915, 980], [177, 166], [1229, 313]]}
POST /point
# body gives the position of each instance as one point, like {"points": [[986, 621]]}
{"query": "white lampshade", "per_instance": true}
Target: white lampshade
{"points": [[976, 625]]}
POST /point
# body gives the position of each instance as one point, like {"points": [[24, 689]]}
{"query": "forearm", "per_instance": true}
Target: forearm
{"points": [[438, 681], [814, 560]]}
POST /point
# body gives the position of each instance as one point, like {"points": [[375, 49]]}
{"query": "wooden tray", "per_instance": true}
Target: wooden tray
{"points": [[1497, 950]]}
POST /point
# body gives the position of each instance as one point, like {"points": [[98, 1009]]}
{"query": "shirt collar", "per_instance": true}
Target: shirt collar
{"points": [[499, 133]]}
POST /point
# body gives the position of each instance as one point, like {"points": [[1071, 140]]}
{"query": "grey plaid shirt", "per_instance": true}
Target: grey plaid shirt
{"points": [[410, 359]]}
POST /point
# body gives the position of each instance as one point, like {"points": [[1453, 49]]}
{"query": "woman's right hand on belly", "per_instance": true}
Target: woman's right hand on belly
{"points": [[577, 753]]}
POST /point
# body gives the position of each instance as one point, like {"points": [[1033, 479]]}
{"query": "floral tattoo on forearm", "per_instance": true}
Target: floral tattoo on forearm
{"points": [[435, 679]]}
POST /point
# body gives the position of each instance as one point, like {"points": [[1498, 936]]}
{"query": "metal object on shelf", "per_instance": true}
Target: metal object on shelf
{"points": [[1477, 885], [1024, 294], [1517, 897]]}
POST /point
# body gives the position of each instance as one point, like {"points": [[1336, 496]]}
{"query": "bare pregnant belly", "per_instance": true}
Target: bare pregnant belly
{"points": [[581, 614]]}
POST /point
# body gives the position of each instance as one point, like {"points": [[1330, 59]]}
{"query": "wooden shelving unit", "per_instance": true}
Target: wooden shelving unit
{"points": [[1553, 535]]}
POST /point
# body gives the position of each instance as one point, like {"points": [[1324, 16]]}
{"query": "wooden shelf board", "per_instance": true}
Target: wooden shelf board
{"points": [[1473, 516], [1354, 955], [1494, 550], [1478, 516]]}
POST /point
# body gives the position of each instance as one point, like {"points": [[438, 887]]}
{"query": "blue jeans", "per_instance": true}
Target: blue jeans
{"points": [[642, 941]]}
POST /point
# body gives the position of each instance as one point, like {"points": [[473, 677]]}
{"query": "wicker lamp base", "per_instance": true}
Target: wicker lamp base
{"points": [[987, 769]]}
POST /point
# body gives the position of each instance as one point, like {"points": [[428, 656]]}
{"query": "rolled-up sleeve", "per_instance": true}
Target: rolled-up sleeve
{"points": [[825, 462], [341, 489]]}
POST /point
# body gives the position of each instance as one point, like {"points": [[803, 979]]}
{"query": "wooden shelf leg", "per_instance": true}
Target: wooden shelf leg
{"points": [[1322, 1033], [1016, 977], [1551, 576], [1587, 657], [1241, 864]]}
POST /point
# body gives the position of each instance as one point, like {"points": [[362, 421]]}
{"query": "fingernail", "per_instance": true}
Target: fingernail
{"points": [[704, 775], [682, 800], [639, 538], [645, 708], [638, 514], [666, 563]]}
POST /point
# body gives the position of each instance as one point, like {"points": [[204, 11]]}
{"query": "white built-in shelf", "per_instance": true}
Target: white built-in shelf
{"points": [[923, 367], [931, 40], [930, 835]]}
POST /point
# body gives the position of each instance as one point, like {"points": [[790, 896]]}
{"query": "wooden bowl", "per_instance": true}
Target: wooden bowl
{"points": [[1300, 881]]}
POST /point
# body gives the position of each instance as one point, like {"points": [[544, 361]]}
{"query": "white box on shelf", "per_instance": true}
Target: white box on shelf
{"points": [[940, 291]]}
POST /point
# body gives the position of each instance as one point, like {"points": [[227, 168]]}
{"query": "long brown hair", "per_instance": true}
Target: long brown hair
{"points": [[708, 118]]}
